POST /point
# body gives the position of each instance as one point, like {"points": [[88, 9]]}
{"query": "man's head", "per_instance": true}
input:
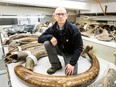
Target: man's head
{"points": [[60, 15]]}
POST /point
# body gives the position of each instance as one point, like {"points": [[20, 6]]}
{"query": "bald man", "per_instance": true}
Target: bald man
{"points": [[63, 38]]}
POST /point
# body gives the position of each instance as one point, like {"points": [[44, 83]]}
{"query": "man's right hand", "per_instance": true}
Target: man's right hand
{"points": [[53, 41]]}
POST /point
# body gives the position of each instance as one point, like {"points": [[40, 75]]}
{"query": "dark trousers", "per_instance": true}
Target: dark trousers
{"points": [[53, 51]]}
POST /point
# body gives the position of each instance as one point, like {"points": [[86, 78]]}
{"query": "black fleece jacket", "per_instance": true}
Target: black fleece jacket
{"points": [[69, 39]]}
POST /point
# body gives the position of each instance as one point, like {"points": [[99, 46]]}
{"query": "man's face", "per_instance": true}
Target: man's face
{"points": [[60, 16]]}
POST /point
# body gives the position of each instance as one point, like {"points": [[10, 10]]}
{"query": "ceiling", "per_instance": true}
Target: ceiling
{"points": [[77, 4], [94, 1]]}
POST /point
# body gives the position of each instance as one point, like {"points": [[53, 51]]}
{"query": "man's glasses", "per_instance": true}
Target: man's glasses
{"points": [[60, 14]]}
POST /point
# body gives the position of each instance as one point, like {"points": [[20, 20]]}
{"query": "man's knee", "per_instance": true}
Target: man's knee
{"points": [[75, 69], [47, 44]]}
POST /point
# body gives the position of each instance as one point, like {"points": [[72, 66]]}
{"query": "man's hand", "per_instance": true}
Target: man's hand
{"points": [[69, 69], [53, 41]]}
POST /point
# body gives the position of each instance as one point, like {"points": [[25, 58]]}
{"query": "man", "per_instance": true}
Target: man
{"points": [[62, 38]]}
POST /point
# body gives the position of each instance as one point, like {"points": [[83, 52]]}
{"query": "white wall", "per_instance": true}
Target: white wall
{"points": [[14, 10], [23, 11], [33, 11]]}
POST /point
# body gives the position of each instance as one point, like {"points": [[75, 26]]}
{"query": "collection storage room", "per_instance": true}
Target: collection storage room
{"points": [[57, 43]]}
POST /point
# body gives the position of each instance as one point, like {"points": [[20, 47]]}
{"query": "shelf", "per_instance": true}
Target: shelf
{"points": [[102, 49], [92, 39]]}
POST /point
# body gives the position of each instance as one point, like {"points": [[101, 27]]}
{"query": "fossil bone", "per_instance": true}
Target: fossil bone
{"points": [[37, 51], [21, 41], [88, 33], [104, 36], [106, 81], [79, 80], [24, 47], [18, 36]]}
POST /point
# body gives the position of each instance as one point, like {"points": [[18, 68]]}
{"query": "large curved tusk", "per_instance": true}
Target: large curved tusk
{"points": [[24, 47], [18, 36], [79, 80]]}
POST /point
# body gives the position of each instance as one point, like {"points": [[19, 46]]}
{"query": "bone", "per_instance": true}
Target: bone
{"points": [[106, 81], [16, 56], [80, 80], [17, 36], [24, 47], [104, 36], [24, 40]]}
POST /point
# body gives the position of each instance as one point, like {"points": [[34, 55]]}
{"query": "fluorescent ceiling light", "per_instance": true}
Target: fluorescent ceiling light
{"points": [[41, 16]]}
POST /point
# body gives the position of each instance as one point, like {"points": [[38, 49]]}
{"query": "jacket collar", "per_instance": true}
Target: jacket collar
{"points": [[55, 26]]}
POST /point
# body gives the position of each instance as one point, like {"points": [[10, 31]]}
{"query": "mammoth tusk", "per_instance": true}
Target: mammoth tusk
{"points": [[79, 80], [18, 36]]}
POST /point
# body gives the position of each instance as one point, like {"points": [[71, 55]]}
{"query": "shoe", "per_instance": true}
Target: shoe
{"points": [[52, 69]]}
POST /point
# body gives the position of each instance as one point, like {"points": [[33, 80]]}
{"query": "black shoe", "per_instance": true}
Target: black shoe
{"points": [[52, 69]]}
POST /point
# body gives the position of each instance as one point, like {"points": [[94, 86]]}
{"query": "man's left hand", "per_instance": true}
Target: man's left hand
{"points": [[69, 69]]}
